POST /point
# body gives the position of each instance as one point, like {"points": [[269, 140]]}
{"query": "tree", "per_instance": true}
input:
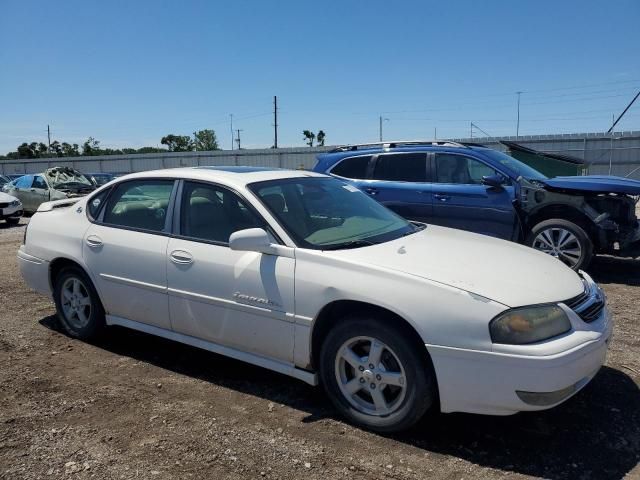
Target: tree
{"points": [[26, 151], [91, 147], [321, 137], [309, 136], [69, 150], [205, 140], [177, 143]]}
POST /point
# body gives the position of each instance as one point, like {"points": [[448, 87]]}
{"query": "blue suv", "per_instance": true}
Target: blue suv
{"points": [[475, 188]]}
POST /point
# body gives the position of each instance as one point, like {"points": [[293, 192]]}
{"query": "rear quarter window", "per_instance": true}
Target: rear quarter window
{"points": [[352, 167]]}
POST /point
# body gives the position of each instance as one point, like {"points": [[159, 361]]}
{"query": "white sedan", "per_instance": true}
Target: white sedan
{"points": [[306, 275], [10, 209]]}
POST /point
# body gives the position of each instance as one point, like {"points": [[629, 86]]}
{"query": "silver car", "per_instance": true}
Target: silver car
{"points": [[55, 183]]}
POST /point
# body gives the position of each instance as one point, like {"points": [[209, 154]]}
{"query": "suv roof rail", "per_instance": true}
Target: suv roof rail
{"points": [[398, 144]]}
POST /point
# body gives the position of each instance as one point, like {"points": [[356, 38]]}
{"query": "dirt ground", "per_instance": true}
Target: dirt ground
{"points": [[134, 406]]}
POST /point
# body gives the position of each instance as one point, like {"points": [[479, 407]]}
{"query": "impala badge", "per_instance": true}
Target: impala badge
{"points": [[252, 299]]}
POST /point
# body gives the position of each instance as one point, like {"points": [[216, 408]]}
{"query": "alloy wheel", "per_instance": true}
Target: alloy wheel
{"points": [[370, 376], [76, 302], [560, 243]]}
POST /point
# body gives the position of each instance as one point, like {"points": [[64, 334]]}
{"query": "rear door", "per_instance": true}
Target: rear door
{"points": [[460, 200], [125, 249], [400, 182]]}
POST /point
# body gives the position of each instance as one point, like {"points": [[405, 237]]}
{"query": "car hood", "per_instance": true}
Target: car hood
{"points": [[503, 271], [594, 183], [6, 198]]}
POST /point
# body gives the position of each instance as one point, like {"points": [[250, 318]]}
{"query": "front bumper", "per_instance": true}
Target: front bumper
{"points": [[11, 212], [511, 380]]}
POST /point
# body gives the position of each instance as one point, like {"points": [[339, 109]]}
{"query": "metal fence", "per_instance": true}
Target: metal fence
{"points": [[618, 154]]}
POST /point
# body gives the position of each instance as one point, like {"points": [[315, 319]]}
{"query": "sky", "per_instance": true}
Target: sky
{"points": [[130, 72]]}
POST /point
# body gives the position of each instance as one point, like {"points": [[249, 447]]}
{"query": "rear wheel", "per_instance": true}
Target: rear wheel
{"points": [[564, 240], [376, 375], [79, 309]]}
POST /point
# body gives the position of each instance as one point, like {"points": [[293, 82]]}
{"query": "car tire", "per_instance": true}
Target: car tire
{"points": [[80, 311], [564, 240], [13, 221], [351, 384]]}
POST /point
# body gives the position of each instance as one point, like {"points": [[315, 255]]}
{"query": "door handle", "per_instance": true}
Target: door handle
{"points": [[181, 257], [33, 189], [441, 196], [371, 190], [94, 241]]}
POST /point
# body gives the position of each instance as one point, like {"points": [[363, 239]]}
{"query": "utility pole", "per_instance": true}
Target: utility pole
{"points": [[275, 122], [380, 127], [471, 129], [518, 121], [49, 138], [238, 137], [231, 117]]}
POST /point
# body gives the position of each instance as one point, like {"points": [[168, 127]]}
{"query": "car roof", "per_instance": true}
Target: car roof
{"points": [[334, 156], [236, 176]]}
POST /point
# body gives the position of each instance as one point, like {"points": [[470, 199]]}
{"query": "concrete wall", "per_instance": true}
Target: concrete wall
{"points": [[622, 148]]}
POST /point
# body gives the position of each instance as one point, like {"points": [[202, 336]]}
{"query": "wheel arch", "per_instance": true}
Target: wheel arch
{"points": [[563, 212], [58, 264], [334, 311]]}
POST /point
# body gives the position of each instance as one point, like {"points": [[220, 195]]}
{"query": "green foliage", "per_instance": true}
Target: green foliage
{"points": [[177, 143], [205, 140], [309, 136]]}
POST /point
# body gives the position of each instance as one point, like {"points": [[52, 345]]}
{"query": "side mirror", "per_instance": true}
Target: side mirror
{"points": [[496, 181], [252, 240]]}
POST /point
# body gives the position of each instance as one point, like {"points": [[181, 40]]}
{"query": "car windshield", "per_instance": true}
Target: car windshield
{"points": [[515, 166], [328, 214]]}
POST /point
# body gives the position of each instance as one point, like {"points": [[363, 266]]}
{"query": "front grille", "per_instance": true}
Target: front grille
{"points": [[588, 305]]}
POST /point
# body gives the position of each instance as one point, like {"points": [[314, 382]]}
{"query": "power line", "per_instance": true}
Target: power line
{"points": [[625, 111]]}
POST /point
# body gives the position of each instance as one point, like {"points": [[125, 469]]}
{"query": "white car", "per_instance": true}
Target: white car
{"points": [[306, 275], [10, 209]]}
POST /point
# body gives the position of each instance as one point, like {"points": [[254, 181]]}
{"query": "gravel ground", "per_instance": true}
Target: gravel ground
{"points": [[135, 406]]}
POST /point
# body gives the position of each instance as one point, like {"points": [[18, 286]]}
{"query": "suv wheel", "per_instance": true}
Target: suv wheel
{"points": [[564, 240], [375, 375], [77, 303]]}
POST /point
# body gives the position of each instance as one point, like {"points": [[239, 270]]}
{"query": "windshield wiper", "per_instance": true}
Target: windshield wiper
{"points": [[351, 244]]}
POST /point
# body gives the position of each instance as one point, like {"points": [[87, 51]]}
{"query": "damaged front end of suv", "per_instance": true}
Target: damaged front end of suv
{"points": [[573, 218]]}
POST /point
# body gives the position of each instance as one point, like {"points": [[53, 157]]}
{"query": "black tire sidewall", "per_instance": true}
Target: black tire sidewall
{"points": [[96, 320], [577, 230], [420, 378]]}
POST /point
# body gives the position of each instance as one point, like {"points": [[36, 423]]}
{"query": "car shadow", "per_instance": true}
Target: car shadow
{"points": [[596, 434], [606, 269]]}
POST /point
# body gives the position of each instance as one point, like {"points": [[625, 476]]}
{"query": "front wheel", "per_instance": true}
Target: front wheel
{"points": [[564, 240], [79, 309], [375, 375]]}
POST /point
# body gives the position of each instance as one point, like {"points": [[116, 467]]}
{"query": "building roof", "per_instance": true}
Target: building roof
{"points": [[531, 151]]}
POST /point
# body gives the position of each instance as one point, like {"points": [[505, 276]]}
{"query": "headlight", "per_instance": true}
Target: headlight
{"points": [[519, 326], [15, 203]]}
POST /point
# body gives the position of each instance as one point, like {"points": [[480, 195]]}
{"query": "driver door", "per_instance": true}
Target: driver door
{"points": [[460, 200], [242, 300]]}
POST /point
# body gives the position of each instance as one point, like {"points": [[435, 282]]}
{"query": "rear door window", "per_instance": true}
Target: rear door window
{"points": [[139, 204], [401, 167], [352, 167]]}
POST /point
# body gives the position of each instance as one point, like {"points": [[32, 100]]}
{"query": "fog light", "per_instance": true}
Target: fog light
{"points": [[543, 399]]}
